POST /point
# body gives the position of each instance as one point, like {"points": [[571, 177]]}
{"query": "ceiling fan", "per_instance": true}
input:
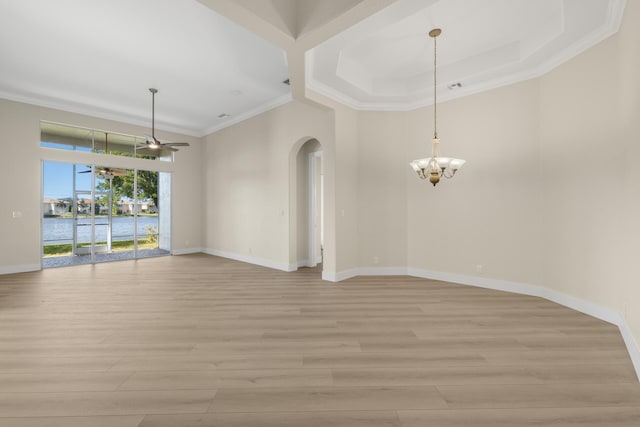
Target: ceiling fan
{"points": [[152, 142], [107, 173]]}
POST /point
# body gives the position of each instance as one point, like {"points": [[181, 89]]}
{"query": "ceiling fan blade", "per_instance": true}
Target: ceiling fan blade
{"points": [[107, 172], [175, 144], [148, 151], [156, 151], [118, 172]]}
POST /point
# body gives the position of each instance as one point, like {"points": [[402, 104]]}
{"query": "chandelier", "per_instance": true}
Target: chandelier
{"points": [[435, 167]]}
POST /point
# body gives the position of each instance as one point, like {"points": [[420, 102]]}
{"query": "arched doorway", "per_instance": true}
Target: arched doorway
{"points": [[309, 205]]}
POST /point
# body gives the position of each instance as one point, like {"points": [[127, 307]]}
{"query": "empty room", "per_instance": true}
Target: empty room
{"points": [[319, 213]]}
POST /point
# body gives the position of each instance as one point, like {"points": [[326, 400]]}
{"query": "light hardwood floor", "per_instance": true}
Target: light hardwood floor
{"points": [[203, 341]]}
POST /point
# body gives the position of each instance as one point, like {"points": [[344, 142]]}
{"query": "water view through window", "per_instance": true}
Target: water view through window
{"points": [[94, 214], [60, 230]]}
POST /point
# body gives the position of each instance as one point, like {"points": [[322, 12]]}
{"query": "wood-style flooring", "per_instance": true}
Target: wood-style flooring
{"points": [[199, 340]]}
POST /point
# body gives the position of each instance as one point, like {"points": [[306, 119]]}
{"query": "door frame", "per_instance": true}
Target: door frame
{"points": [[315, 220]]}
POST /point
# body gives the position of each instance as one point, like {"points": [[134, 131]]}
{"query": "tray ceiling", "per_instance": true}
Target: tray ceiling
{"points": [[99, 57], [386, 61]]}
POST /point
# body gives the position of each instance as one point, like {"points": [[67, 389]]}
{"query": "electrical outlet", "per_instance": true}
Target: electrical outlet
{"points": [[17, 214], [376, 260], [479, 268]]}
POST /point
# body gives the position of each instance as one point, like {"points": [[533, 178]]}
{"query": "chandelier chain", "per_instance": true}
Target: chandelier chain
{"points": [[435, 92]]}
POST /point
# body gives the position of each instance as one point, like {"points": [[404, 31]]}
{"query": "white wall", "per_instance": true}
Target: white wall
{"points": [[629, 112], [21, 175], [251, 186], [489, 213], [251, 183], [590, 145], [382, 188], [346, 212]]}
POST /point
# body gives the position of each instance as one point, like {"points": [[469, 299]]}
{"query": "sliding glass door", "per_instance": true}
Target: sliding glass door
{"points": [[96, 214]]}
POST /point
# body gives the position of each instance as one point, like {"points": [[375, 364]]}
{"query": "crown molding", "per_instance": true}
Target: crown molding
{"points": [[92, 111]]}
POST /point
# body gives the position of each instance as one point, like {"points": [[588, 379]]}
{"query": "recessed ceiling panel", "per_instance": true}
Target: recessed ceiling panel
{"points": [[386, 61]]}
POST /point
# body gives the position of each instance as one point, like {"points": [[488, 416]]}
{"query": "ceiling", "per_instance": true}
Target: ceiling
{"points": [[100, 57], [210, 58], [386, 61]]}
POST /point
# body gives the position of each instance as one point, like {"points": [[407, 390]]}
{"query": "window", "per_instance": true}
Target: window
{"points": [[67, 137], [103, 209], [90, 215]]}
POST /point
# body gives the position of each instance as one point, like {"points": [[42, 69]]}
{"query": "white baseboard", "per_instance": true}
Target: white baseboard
{"points": [[383, 271], [632, 345], [252, 260], [331, 276], [305, 263], [186, 251], [12, 269], [308, 263], [369, 271], [586, 307]]}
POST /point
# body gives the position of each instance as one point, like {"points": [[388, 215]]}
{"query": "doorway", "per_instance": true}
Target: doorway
{"points": [[309, 220], [316, 202], [89, 222]]}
